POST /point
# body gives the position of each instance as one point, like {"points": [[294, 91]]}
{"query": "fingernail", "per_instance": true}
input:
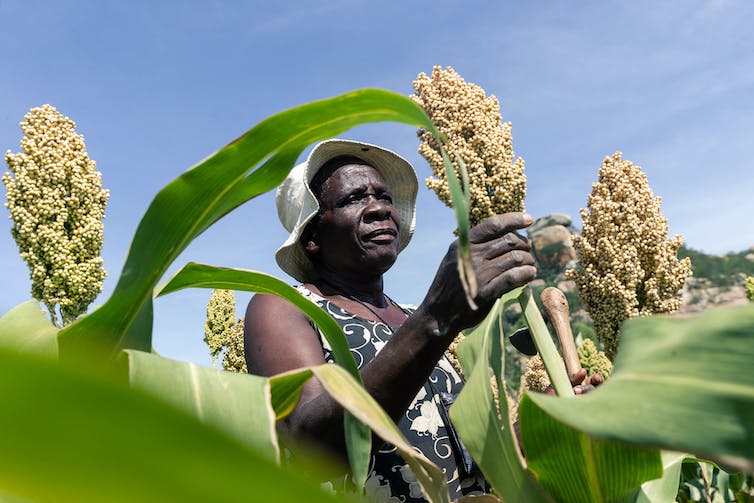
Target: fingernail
{"points": [[578, 390], [528, 219]]}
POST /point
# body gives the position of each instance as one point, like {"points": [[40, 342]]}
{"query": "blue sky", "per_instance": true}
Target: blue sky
{"points": [[157, 86]]}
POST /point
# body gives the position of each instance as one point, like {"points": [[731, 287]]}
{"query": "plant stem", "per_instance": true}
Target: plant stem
{"points": [[545, 346]]}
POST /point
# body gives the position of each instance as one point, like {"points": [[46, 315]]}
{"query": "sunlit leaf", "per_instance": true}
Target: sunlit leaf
{"points": [[236, 404], [576, 468], [354, 398], [486, 429], [358, 437], [198, 198], [26, 329], [678, 384], [665, 488], [67, 436]]}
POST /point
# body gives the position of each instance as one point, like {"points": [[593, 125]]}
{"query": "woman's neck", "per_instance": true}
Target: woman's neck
{"points": [[368, 290]]}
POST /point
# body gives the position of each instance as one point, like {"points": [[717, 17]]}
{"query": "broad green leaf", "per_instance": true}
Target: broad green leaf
{"points": [[358, 437], [198, 198], [355, 399], [26, 329], [68, 436], [236, 404], [576, 468], [485, 429], [678, 384], [665, 488]]}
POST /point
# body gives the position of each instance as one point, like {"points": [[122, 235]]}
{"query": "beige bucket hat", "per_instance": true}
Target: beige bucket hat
{"points": [[297, 204]]}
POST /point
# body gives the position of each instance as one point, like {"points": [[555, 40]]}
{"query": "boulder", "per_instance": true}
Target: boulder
{"points": [[552, 246], [549, 220]]}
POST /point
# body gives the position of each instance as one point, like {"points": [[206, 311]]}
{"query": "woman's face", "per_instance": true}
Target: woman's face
{"points": [[358, 225]]}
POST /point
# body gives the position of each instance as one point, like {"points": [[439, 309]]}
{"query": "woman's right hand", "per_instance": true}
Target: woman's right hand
{"points": [[502, 261]]}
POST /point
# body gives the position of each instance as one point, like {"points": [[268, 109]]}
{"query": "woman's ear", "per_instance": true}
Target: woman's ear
{"points": [[311, 246]]}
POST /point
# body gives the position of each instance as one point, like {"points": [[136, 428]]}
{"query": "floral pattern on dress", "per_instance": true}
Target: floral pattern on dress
{"points": [[423, 424]]}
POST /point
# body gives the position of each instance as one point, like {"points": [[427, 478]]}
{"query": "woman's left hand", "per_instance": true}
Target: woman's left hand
{"points": [[581, 383]]}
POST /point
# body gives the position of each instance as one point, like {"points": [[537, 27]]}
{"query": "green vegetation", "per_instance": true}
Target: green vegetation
{"points": [[130, 425], [720, 270]]}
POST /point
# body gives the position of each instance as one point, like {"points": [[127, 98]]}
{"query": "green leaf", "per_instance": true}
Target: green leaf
{"points": [[68, 436], [198, 198], [550, 355], [358, 438], [26, 329], [485, 429], [236, 404], [574, 467], [461, 199], [677, 384], [355, 399], [665, 488]]}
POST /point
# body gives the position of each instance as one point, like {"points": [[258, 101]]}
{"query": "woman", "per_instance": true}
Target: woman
{"points": [[350, 211]]}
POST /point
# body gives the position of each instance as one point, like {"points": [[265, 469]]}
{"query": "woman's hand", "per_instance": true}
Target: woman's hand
{"points": [[580, 382], [502, 261]]}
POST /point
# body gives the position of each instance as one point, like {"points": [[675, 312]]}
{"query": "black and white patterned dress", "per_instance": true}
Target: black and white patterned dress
{"points": [[425, 424]]}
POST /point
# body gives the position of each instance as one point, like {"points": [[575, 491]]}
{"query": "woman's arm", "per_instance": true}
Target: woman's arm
{"points": [[278, 337]]}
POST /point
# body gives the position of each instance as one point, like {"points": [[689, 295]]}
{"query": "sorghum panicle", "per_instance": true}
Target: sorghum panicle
{"points": [[594, 360], [57, 204], [473, 128], [221, 317], [627, 265], [233, 358]]}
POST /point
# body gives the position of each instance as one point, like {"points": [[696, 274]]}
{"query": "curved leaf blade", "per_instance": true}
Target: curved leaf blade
{"points": [[485, 429], [679, 384], [357, 434], [576, 468], [26, 329], [355, 399], [192, 202]]}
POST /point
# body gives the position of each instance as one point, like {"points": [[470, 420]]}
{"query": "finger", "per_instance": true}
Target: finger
{"points": [[498, 225], [504, 244], [490, 269], [578, 377], [582, 389], [596, 380], [508, 280]]}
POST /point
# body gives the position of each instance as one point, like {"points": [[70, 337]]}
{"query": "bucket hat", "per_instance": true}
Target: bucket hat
{"points": [[297, 204]]}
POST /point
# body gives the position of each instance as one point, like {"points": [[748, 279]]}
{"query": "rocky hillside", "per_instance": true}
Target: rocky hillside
{"points": [[717, 280]]}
